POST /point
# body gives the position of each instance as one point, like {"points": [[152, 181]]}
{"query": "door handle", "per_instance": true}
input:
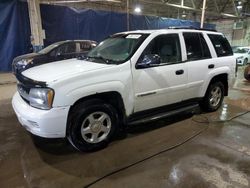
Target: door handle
{"points": [[211, 66], [179, 72]]}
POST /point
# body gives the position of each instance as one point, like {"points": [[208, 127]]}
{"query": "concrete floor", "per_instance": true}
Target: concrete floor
{"points": [[215, 154]]}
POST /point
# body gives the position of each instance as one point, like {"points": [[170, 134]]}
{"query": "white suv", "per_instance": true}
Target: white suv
{"points": [[129, 78]]}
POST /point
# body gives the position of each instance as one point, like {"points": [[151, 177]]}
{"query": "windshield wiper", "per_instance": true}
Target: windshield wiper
{"points": [[107, 61]]}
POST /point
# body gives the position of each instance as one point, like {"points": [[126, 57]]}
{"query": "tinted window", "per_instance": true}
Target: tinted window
{"points": [[61, 49], [70, 48], [167, 47], [221, 45], [196, 46], [205, 50]]}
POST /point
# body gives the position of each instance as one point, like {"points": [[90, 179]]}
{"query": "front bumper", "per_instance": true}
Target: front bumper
{"points": [[44, 123]]}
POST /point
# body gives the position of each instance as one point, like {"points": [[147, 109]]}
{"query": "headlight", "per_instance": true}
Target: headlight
{"points": [[24, 62], [241, 57], [41, 98]]}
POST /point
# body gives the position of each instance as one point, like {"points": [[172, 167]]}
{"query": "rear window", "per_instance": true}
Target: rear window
{"points": [[221, 45]]}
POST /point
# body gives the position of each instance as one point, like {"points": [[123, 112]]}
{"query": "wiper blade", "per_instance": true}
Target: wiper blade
{"points": [[107, 61]]}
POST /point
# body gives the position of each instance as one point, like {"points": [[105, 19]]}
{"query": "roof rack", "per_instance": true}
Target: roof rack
{"points": [[191, 27]]}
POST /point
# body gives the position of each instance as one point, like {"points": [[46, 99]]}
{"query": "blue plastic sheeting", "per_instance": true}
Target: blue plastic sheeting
{"points": [[62, 23], [14, 32]]}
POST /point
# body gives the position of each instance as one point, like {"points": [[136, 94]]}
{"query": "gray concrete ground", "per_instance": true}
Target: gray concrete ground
{"points": [[182, 151]]}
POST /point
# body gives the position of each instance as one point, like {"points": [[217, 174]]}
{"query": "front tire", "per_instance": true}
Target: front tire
{"points": [[92, 124], [214, 97]]}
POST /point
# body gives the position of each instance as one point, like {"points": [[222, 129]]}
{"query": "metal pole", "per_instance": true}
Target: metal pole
{"points": [[203, 13], [37, 34], [182, 3], [128, 24]]}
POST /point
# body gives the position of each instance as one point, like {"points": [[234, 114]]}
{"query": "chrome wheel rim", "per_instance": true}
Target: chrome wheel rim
{"points": [[96, 127], [215, 96]]}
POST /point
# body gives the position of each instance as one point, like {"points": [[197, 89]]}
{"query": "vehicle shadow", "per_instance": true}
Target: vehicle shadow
{"points": [[63, 147]]}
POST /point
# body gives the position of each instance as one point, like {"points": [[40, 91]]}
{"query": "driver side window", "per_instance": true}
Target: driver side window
{"points": [[167, 47], [58, 51]]}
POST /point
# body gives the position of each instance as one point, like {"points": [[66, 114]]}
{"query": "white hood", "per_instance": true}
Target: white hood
{"points": [[61, 69]]}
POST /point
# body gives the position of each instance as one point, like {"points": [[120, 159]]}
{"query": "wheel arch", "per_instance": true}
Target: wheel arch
{"points": [[222, 78], [112, 97]]}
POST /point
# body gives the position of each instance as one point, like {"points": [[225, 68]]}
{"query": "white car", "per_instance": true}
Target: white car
{"points": [[242, 54], [129, 78]]}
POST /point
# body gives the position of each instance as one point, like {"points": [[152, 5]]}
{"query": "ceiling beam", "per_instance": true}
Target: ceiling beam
{"points": [[221, 13], [216, 6], [79, 1], [194, 6]]}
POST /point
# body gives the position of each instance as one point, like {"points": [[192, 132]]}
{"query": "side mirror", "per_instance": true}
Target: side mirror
{"points": [[149, 61]]}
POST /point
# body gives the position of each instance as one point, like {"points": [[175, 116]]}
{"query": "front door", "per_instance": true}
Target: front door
{"points": [[161, 84]]}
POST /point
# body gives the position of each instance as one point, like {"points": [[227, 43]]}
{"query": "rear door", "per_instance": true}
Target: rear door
{"points": [[199, 63]]}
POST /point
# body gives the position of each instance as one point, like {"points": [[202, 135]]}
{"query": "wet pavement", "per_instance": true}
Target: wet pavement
{"points": [[201, 150]]}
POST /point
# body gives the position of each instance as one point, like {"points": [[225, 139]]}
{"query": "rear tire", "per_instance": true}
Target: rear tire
{"points": [[214, 97], [92, 124]]}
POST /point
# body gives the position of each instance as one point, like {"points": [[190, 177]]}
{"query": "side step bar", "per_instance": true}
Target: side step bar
{"points": [[191, 108]]}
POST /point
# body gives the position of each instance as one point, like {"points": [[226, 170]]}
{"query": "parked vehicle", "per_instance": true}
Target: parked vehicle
{"points": [[129, 78], [55, 52], [234, 48], [242, 55]]}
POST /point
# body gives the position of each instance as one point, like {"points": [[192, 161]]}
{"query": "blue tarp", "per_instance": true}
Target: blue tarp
{"points": [[14, 32], [64, 23], [61, 23]]}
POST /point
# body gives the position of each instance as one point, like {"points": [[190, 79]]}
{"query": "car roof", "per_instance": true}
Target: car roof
{"points": [[67, 41], [243, 47], [170, 30]]}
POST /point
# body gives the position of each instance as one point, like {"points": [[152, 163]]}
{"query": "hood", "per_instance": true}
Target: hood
{"points": [[61, 69], [239, 55], [26, 56]]}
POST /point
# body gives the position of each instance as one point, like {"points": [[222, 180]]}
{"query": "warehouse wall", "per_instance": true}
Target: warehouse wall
{"points": [[237, 37]]}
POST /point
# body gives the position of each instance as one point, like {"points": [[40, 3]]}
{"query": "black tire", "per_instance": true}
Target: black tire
{"points": [[245, 61], [80, 114], [210, 105]]}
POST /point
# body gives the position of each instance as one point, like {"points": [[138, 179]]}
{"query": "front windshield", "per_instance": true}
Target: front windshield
{"points": [[117, 49], [240, 50], [49, 48]]}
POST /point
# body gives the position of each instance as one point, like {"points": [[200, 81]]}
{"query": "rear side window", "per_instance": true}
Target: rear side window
{"points": [[221, 45], [83, 46], [196, 46]]}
